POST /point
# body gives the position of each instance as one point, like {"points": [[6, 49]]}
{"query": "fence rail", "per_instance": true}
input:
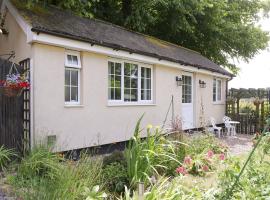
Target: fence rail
{"points": [[250, 107]]}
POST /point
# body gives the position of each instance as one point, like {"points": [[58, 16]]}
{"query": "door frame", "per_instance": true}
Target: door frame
{"points": [[193, 95]]}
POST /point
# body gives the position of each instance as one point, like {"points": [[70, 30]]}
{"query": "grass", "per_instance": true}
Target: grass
{"points": [[43, 175], [5, 157]]}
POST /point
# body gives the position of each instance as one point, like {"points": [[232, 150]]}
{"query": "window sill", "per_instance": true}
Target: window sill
{"points": [[73, 106], [130, 104], [219, 103]]}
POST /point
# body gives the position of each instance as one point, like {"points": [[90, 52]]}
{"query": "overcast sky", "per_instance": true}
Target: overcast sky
{"points": [[256, 73]]}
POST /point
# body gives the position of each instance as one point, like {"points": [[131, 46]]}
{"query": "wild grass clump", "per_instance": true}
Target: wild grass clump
{"points": [[5, 157], [44, 175]]}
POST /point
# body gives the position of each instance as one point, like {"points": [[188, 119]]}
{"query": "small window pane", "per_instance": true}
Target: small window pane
{"points": [[74, 78], [127, 82], [134, 83], [127, 95], [74, 60], [111, 68], [117, 82], [74, 93], [67, 77], [143, 72], [127, 69], [118, 69], [134, 95], [148, 72], [67, 93], [118, 93], [134, 71], [69, 59]]}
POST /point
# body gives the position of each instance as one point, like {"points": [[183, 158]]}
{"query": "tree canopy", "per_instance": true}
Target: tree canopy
{"points": [[222, 30]]}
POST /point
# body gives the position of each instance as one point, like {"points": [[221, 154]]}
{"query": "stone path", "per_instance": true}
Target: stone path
{"points": [[239, 144], [2, 196]]}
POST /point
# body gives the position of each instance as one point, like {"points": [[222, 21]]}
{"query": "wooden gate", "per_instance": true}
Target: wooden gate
{"points": [[15, 113]]}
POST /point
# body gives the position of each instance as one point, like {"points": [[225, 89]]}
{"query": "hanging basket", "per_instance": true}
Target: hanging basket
{"points": [[12, 92], [14, 84]]}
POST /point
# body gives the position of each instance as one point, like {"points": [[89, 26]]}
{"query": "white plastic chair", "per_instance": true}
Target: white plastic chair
{"points": [[229, 127], [215, 127]]}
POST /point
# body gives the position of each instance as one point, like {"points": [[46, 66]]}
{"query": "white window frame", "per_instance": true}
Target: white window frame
{"points": [[72, 53], [217, 101], [73, 68], [139, 102]]}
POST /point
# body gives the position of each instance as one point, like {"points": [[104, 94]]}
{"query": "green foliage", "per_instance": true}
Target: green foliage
{"points": [[94, 194], [147, 157], [116, 156], [5, 156], [115, 177], [254, 182], [40, 162], [42, 175], [202, 143], [228, 27]]}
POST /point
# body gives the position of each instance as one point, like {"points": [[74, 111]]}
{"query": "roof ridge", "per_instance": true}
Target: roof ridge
{"points": [[139, 33], [125, 29]]}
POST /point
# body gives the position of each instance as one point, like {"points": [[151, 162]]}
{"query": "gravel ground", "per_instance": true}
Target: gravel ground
{"points": [[2, 196], [239, 144]]}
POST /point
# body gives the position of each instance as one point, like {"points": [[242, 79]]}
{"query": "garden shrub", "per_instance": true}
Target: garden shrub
{"points": [[205, 142], [116, 156], [115, 177]]}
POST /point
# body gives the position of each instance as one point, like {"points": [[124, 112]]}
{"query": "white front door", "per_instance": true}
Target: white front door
{"points": [[187, 101]]}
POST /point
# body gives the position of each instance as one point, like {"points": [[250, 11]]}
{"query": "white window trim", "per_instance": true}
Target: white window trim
{"points": [[139, 102], [73, 53], [75, 68], [221, 93]]}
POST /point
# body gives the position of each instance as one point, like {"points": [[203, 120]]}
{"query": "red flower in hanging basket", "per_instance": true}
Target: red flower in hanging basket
{"points": [[14, 85]]}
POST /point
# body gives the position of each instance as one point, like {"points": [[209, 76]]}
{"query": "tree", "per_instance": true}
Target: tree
{"points": [[222, 30]]}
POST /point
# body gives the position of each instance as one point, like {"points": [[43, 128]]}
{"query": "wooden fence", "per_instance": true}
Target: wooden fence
{"points": [[252, 117], [14, 130]]}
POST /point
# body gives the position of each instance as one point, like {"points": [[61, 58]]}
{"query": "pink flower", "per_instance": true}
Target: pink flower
{"points": [[181, 170], [222, 156], [210, 154], [187, 160], [205, 168]]}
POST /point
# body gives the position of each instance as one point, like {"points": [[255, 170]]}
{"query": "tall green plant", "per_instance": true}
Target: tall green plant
{"points": [[145, 157], [5, 156]]}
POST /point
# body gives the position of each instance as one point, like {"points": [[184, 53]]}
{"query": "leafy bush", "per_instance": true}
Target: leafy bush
{"points": [[40, 162], [200, 164], [5, 157], [254, 182], [202, 143], [116, 156], [115, 177]]}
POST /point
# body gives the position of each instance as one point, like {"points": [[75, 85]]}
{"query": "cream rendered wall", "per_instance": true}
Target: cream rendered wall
{"points": [[94, 122], [204, 96], [14, 41]]}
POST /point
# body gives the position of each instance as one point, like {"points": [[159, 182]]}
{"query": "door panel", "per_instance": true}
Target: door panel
{"points": [[187, 101]]}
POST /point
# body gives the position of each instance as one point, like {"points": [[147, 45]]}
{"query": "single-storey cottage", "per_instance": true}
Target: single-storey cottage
{"points": [[92, 80]]}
